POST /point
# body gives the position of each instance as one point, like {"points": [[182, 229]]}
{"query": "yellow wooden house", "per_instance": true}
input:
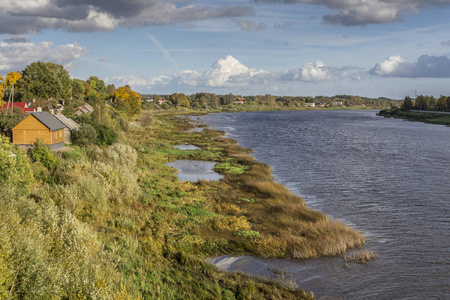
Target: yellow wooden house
{"points": [[39, 125]]}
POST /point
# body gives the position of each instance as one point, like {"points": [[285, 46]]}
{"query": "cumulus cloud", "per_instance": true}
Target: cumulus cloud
{"points": [[318, 71], [228, 72], [17, 53], [21, 17], [425, 67], [364, 12]]}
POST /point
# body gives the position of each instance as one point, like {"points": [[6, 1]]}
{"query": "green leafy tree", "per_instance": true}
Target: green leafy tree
{"points": [[42, 80], [407, 104], [8, 120], [78, 89], [441, 103], [110, 88]]}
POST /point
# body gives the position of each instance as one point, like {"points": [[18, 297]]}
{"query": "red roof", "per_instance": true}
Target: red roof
{"points": [[21, 105]]}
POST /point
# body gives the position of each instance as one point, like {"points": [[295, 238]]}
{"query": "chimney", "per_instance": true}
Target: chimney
{"points": [[39, 109]]}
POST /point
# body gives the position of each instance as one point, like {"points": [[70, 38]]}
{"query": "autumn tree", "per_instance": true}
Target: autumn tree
{"points": [[2, 88], [127, 99], [11, 78], [78, 89], [42, 80], [179, 99]]}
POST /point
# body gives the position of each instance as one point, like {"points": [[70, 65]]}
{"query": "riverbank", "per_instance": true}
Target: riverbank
{"points": [[416, 116], [115, 220]]}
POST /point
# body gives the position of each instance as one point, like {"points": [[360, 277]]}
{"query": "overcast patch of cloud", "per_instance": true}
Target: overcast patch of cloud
{"points": [[445, 43], [425, 67], [364, 12], [17, 53], [228, 72], [22, 17], [249, 25]]}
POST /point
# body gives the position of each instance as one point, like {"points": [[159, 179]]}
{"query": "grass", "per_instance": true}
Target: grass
{"points": [[116, 222], [427, 117], [360, 256]]}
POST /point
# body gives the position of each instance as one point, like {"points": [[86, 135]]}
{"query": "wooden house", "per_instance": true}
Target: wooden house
{"points": [[84, 109], [39, 125], [239, 101], [69, 126]]}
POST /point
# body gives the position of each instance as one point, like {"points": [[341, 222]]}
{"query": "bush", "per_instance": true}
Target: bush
{"points": [[43, 154], [84, 136], [105, 135], [14, 167]]}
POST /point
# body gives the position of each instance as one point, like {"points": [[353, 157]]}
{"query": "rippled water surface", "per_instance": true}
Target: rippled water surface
{"points": [[387, 178]]}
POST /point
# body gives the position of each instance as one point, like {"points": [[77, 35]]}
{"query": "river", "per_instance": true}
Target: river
{"points": [[387, 178]]}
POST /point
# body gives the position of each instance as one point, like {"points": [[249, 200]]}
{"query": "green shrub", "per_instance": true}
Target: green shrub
{"points": [[42, 153], [105, 135], [14, 167], [84, 136]]}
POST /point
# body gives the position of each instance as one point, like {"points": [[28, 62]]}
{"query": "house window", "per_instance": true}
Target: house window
{"points": [[60, 134]]}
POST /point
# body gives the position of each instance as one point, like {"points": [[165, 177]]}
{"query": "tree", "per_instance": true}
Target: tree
{"points": [[127, 99], [97, 85], [432, 102], [44, 80], [110, 88], [407, 104], [179, 99], [11, 78], [2, 88], [78, 89], [442, 103], [421, 102]]}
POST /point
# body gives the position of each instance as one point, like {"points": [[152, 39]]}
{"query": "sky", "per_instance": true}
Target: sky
{"points": [[372, 48]]}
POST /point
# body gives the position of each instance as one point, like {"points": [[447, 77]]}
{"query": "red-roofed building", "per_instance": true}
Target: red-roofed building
{"points": [[22, 105]]}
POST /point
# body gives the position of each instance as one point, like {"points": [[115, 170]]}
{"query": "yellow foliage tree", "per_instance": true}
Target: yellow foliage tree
{"points": [[11, 78], [2, 89], [126, 98]]}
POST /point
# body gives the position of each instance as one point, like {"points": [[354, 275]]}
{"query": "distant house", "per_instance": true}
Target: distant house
{"points": [[321, 104], [239, 101], [162, 101], [84, 109], [22, 105], [310, 104], [39, 125], [336, 103], [42, 105], [70, 126]]}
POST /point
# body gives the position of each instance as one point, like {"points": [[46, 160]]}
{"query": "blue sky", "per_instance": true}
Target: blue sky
{"points": [[375, 48]]}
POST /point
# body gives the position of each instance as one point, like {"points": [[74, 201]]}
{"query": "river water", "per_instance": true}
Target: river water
{"points": [[387, 178]]}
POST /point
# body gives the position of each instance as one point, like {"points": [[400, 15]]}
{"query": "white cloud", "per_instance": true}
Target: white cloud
{"points": [[228, 72], [425, 67], [363, 12], [16, 54], [249, 25], [317, 72]]}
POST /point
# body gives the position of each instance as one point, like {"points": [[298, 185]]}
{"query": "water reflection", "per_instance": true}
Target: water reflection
{"points": [[193, 170]]}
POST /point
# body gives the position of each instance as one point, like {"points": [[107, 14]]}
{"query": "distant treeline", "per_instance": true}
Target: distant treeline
{"points": [[426, 103], [214, 101]]}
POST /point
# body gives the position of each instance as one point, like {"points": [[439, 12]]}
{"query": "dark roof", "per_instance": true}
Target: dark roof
{"points": [[48, 120]]}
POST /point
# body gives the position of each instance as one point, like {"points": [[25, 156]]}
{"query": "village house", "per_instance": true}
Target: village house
{"points": [[310, 104], [70, 126], [84, 109], [39, 125], [239, 101], [336, 103], [22, 105]]}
